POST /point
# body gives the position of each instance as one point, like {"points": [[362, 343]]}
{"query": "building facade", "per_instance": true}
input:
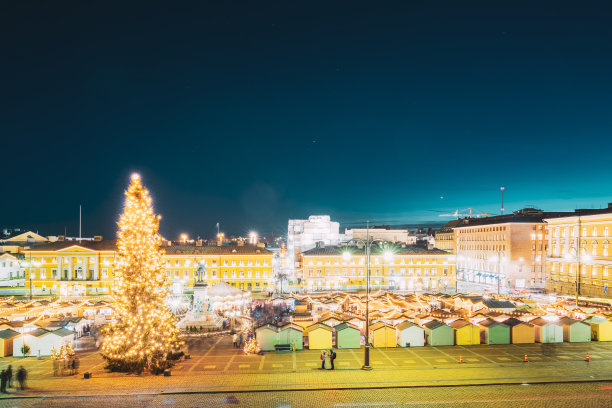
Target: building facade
{"points": [[411, 267], [382, 233], [12, 270], [446, 237], [78, 268], [585, 271], [506, 252]]}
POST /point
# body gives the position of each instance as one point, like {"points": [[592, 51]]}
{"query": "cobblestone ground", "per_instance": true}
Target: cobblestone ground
{"points": [[216, 369], [534, 396]]}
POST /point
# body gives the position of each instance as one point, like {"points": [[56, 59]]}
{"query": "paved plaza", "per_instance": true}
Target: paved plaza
{"points": [[216, 368]]}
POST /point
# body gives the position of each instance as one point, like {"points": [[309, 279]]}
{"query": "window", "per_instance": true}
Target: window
{"points": [[54, 273], [176, 273], [104, 273]]}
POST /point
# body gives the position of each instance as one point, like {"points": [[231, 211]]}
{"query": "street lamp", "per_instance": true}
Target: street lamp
{"points": [[499, 258], [346, 256], [575, 254]]}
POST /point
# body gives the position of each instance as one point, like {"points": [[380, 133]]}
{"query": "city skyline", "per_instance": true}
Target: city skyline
{"points": [[393, 113]]}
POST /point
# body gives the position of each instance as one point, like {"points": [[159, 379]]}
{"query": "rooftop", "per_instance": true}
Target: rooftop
{"points": [[176, 248], [355, 250]]}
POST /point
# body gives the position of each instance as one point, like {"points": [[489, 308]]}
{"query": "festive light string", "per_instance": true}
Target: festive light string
{"points": [[145, 332]]}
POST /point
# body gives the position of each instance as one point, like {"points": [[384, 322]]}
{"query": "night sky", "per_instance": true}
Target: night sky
{"points": [[252, 113]]}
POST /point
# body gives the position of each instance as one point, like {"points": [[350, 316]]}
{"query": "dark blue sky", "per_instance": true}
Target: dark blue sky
{"points": [[252, 113]]}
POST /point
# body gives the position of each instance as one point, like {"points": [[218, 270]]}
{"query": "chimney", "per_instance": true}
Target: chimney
{"points": [[240, 242], [199, 242], [61, 238], [97, 238]]}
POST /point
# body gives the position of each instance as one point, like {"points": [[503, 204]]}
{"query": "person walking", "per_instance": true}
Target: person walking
{"points": [[332, 357], [235, 338], [22, 375], [77, 364], [9, 376], [323, 358], [3, 379]]}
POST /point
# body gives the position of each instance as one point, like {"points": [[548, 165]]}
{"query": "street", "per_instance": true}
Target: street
{"points": [[528, 396]]}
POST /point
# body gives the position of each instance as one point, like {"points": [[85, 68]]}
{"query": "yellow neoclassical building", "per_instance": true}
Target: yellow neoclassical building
{"points": [[589, 230], [86, 267], [405, 267]]}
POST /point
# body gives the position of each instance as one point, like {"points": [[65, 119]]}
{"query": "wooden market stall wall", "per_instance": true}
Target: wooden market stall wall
{"points": [[547, 331], [348, 336], [520, 332], [493, 332], [6, 342], [439, 334], [383, 335], [320, 336], [575, 331], [267, 336], [293, 335], [410, 334], [601, 328], [466, 334]]}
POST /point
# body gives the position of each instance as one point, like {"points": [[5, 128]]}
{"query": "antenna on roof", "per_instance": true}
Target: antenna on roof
{"points": [[502, 194], [79, 222]]}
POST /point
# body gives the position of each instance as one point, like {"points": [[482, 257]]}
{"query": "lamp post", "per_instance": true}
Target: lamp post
{"points": [[387, 254], [575, 254], [499, 258]]}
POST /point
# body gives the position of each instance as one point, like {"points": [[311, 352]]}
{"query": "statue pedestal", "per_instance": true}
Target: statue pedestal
{"points": [[200, 314]]}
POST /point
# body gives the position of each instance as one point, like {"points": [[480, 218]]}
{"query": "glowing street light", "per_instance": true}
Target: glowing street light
{"points": [[184, 238], [253, 238]]}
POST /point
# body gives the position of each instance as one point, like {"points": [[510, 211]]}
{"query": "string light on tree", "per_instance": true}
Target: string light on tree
{"points": [[145, 335], [251, 347]]}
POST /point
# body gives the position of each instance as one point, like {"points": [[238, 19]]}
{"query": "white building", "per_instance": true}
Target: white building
{"points": [[11, 271], [305, 234]]}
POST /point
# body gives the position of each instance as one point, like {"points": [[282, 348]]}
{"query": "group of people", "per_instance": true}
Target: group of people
{"points": [[6, 378], [66, 367], [327, 359]]}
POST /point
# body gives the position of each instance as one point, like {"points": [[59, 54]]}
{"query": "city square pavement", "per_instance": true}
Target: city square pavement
{"points": [[215, 367]]}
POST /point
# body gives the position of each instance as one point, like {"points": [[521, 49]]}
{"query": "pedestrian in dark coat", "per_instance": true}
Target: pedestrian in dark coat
{"points": [[332, 357], [9, 375], [22, 376], [3, 380]]}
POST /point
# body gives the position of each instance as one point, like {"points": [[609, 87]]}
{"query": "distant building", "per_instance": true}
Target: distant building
{"points": [[12, 270], [446, 237], [14, 241], [588, 230], [506, 250], [303, 235], [78, 268], [384, 233], [412, 267]]}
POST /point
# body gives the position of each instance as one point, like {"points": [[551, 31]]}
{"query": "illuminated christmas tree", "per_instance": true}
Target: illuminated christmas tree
{"points": [[144, 335]]}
